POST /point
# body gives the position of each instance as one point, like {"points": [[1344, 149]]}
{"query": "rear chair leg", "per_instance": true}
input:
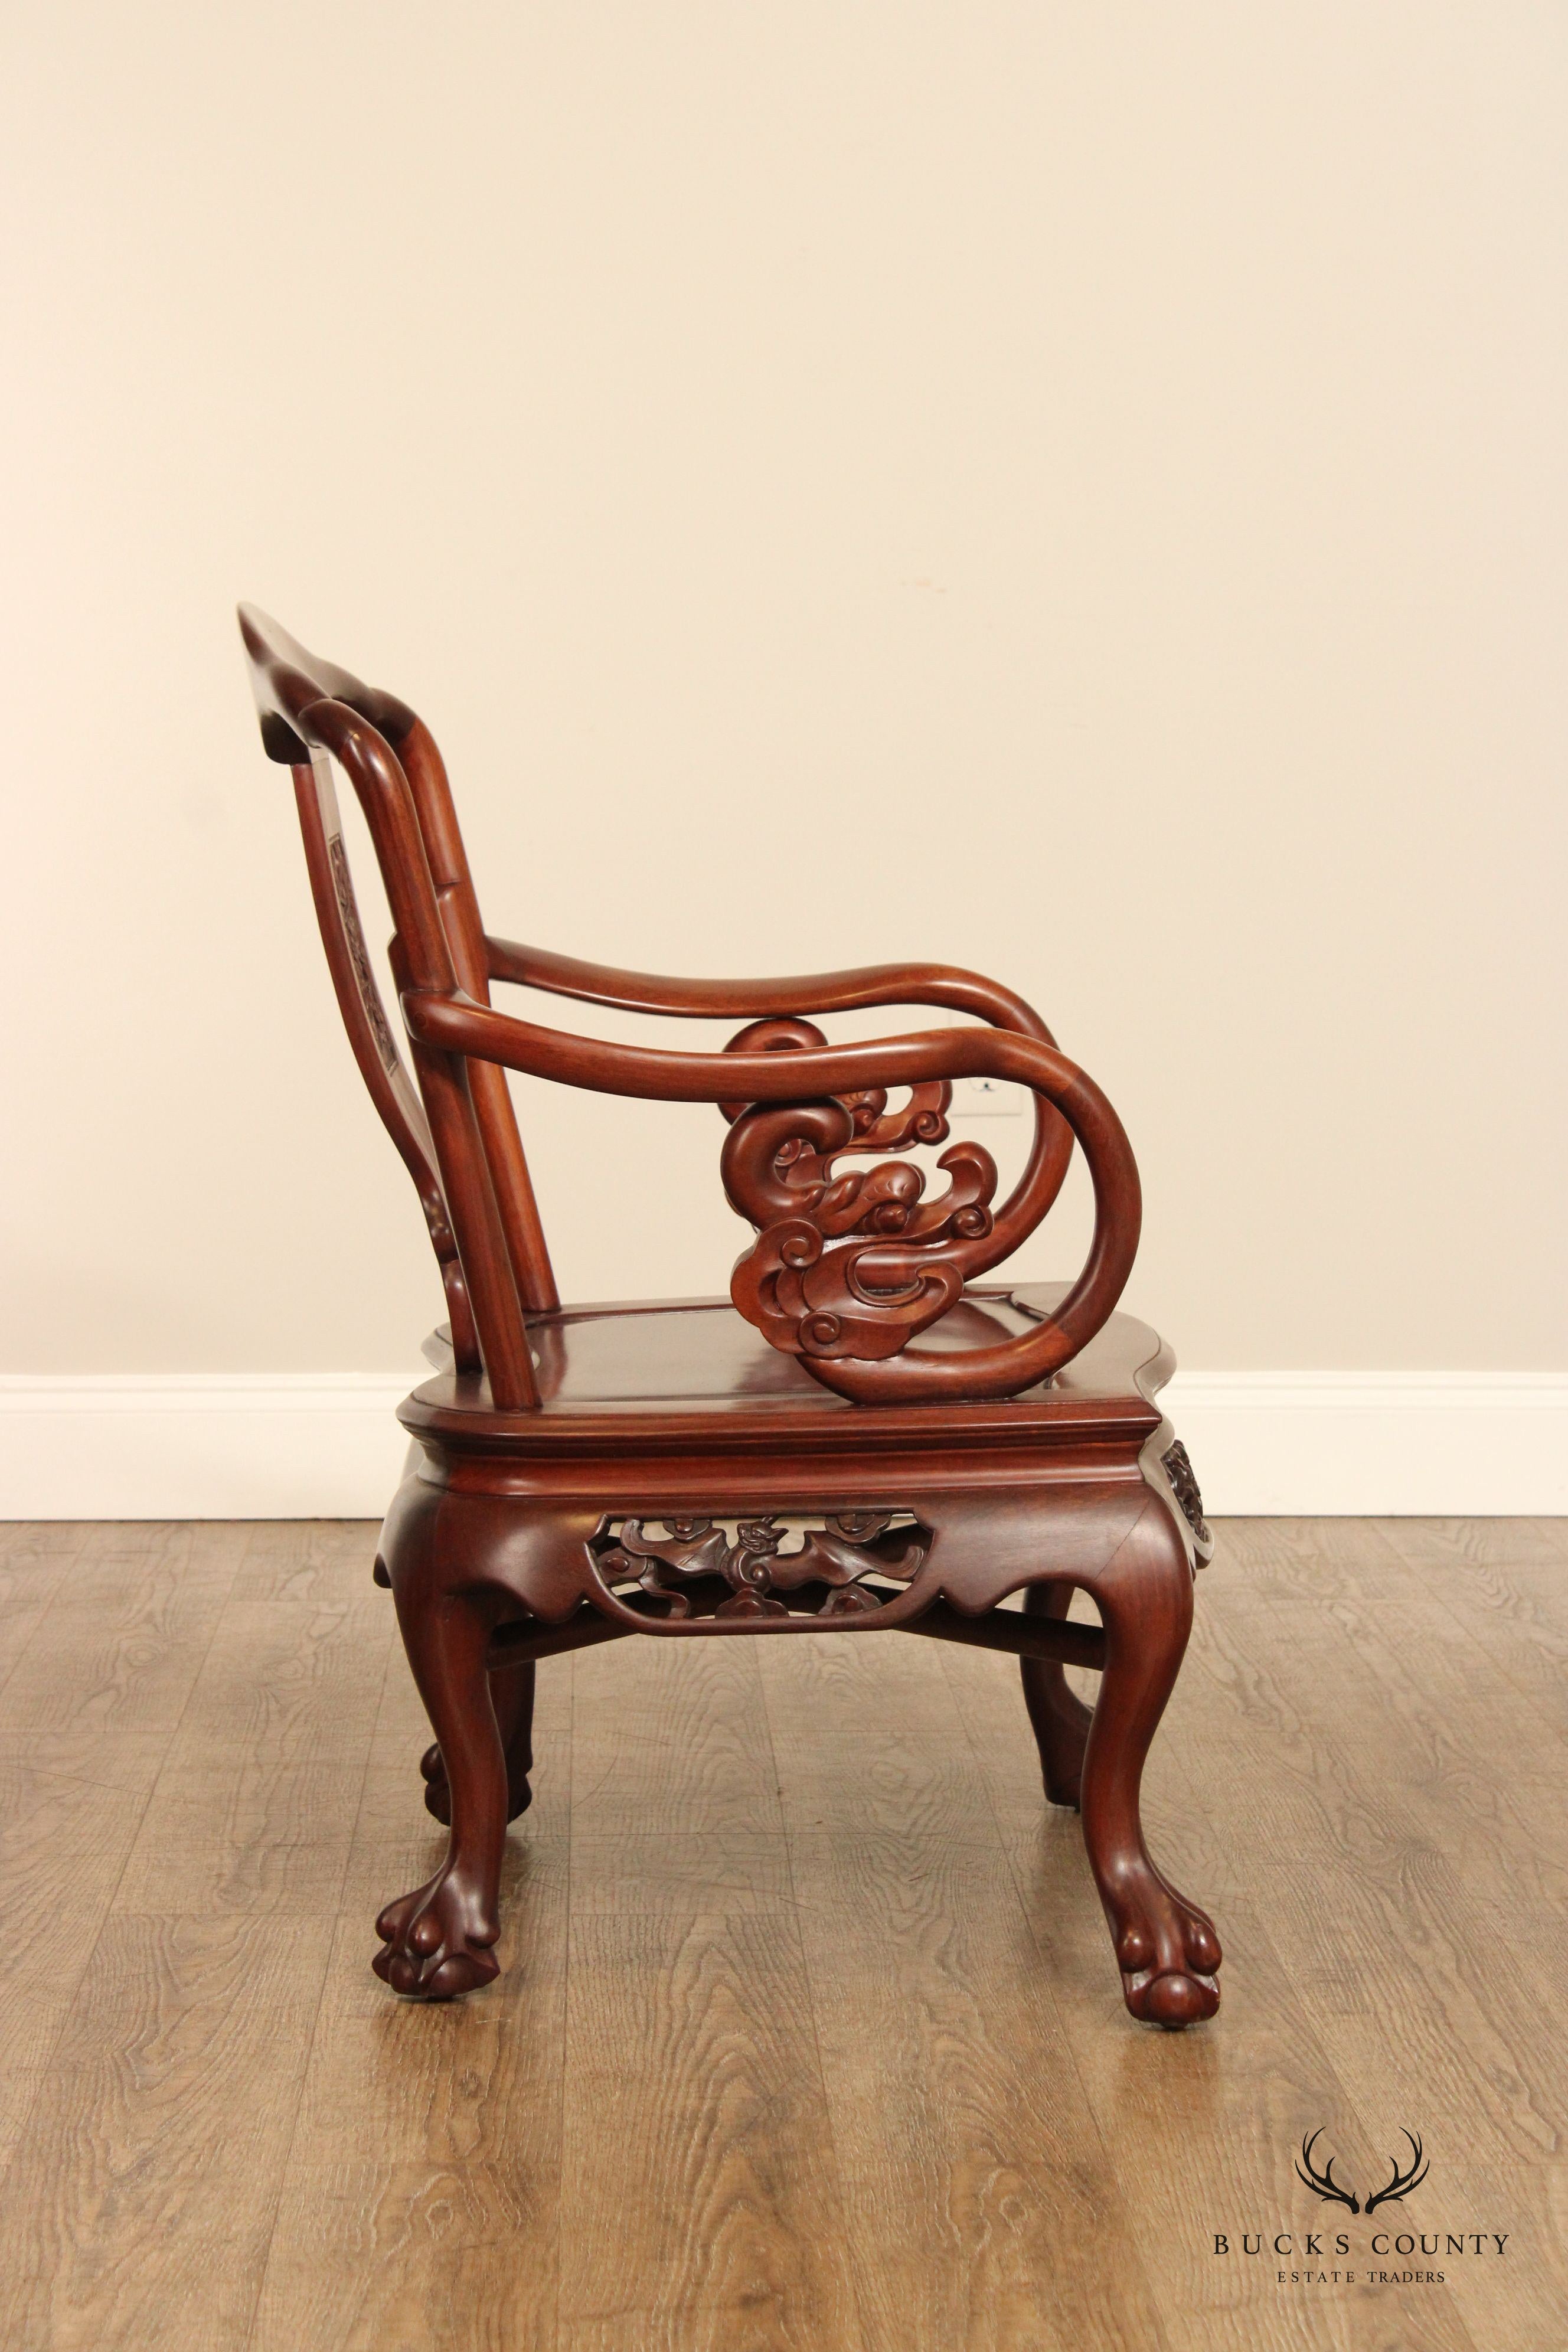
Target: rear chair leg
{"points": [[512, 1696], [1060, 1717], [436, 1940]]}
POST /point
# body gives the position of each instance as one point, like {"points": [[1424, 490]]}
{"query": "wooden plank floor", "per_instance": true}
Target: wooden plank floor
{"points": [[809, 2035]]}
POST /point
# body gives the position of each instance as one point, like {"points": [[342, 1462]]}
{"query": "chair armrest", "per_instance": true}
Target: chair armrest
{"points": [[828, 991], [456, 1024], [881, 1290]]}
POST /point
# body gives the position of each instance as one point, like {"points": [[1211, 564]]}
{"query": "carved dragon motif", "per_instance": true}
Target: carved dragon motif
{"points": [[848, 1546], [853, 1265]]}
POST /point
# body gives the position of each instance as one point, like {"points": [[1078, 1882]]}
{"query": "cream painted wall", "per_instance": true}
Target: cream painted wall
{"points": [[1074, 489]]}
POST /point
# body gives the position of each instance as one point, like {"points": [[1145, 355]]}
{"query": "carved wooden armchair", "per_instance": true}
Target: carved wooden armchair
{"points": [[864, 1437]]}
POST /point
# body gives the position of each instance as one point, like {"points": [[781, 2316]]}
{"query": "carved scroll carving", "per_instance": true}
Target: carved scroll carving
{"points": [[692, 1563], [1179, 1470], [852, 1264]]}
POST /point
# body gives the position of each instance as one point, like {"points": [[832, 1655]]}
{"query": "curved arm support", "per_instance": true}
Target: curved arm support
{"points": [[456, 1026], [956, 991], [723, 1000]]}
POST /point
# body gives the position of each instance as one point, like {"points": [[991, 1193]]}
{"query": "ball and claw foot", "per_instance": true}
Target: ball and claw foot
{"points": [[438, 1796], [1168, 1953], [436, 1941]]}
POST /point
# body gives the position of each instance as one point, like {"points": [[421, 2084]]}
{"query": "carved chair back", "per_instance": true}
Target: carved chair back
{"points": [[847, 1270], [456, 1130]]}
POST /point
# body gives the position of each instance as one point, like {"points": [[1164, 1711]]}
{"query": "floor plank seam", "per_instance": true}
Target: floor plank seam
{"points": [[856, 2296], [1520, 1690], [1046, 1972], [112, 1894], [287, 2167], [558, 2087], [54, 1590]]}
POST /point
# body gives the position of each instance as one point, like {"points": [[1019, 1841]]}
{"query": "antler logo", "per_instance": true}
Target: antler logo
{"points": [[1323, 2184], [1403, 2182]]}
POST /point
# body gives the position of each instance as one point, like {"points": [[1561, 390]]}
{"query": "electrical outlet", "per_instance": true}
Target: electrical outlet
{"points": [[986, 1098]]}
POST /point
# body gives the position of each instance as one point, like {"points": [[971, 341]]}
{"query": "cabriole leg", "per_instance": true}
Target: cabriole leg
{"points": [[436, 1940], [1059, 1715], [512, 1696], [1165, 1947]]}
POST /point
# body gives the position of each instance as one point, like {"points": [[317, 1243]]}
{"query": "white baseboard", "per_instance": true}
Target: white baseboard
{"points": [[1332, 1445], [279, 1446], [201, 1445]]}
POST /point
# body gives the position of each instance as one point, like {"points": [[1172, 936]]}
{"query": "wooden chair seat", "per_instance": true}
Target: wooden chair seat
{"points": [[697, 1356], [869, 1436]]}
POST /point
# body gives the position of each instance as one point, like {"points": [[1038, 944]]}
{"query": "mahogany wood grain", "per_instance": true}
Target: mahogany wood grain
{"points": [[866, 1437], [511, 1689], [708, 1000], [426, 774], [1059, 1717]]}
